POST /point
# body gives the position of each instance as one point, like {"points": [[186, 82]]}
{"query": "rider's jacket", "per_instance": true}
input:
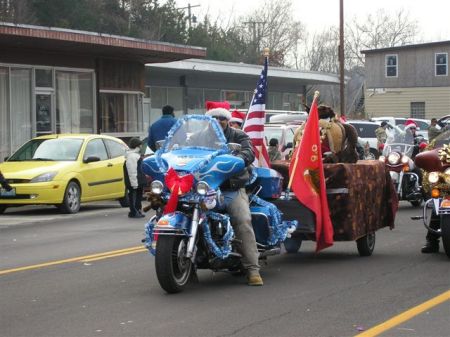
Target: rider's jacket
{"points": [[240, 137]]}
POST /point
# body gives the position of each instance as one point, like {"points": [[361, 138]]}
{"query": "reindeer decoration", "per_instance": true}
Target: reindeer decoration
{"points": [[338, 139]]}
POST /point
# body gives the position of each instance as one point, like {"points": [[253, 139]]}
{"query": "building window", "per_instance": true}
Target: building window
{"points": [[441, 64], [418, 110], [391, 65], [74, 102], [121, 112]]}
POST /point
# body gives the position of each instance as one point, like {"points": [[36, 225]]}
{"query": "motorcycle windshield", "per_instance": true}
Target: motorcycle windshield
{"points": [[399, 139], [194, 131]]}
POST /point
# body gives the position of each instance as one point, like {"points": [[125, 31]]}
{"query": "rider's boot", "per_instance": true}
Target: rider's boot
{"points": [[431, 246], [254, 278]]}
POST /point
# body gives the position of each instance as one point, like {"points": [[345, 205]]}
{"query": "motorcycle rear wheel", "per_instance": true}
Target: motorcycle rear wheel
{"points": [[445, 233], [173, 269]]}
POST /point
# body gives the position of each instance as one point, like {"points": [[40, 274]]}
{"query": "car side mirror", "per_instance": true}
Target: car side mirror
{"points": [[91, 159]]}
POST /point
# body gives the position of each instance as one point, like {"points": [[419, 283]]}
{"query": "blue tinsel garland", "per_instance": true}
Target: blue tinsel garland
{"points": [[225, 250]]}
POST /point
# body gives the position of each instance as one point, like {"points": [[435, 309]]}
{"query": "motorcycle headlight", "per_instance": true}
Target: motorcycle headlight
{"points": [[447, 175], [156, 187], [405, 160], [44, 177], [433, 177], [393, 158], [202, 188], [382, 158]]}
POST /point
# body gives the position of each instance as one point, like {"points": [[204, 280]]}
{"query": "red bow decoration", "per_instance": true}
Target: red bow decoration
{"points": [[177, 185]]}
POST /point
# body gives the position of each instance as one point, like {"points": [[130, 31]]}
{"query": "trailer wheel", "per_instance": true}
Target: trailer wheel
{"points": [[366, 244], [292, 245]]}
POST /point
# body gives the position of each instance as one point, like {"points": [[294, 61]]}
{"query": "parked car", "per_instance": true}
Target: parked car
{"points": [[422, 124], [366, 134], [65, 170], [284, 133]]}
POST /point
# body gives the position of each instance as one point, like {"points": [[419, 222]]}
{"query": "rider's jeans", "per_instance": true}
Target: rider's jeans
{"points": [[237, 206]]}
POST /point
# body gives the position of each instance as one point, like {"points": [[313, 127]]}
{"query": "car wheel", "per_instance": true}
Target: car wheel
{"points": [[72, 199]]}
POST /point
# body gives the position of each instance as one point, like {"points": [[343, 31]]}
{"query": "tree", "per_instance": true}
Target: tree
{"points": [[380, 30], [273, 26]]}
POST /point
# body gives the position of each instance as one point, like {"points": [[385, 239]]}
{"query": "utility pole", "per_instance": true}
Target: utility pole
{"points": [[341, 57], [191, 18]]}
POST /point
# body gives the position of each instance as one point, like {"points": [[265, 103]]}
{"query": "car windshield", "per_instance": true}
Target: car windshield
{"points": [[270, 133], [55, 149], [198, 133]]}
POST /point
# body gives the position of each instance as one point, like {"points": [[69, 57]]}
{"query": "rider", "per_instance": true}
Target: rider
{"points": [[236, 198]]}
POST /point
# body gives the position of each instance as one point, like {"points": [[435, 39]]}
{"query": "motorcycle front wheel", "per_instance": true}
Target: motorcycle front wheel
{"points": [[445, 233], [173, 269]]}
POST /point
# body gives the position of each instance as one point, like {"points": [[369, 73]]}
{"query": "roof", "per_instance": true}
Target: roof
{"points": [[190, 66], [409, 46], [98, 44]]}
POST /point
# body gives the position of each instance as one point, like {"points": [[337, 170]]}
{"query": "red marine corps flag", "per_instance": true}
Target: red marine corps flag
{"points": [[256, 117], [307, 178]]}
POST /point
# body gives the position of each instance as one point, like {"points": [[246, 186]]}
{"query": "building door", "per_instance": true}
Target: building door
{"points": [[44, 113]]}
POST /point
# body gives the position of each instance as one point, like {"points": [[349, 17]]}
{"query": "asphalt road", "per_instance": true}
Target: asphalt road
{"points": [[72, 290]]}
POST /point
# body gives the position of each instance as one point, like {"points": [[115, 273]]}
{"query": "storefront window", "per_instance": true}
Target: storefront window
{"points": [[20, 106], [4, 121], [44, 78], [121, 112], [74, 102], [195, 101], [175, 99]]}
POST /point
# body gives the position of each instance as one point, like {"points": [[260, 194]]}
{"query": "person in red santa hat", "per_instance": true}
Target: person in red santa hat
{"points": [[237, 119], [235, 197]]}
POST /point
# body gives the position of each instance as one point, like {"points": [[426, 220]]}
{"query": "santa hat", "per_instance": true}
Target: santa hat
{"points": [[410, 123], [237, 117], [218, 109]]}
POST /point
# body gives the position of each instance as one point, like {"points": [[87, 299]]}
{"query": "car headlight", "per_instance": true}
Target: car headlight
{"points": [[202, 188], [393, 158], [156, 187], [44, 177], [433, 177], [405, 160]]}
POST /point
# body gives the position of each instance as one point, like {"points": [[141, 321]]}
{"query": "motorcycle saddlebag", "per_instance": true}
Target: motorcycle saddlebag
{"points": [[271, 183]]}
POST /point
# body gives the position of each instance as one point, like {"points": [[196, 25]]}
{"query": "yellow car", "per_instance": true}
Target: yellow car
{"points": [[65, 170]]}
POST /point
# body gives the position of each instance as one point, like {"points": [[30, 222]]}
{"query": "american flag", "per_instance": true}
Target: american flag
{"points": [[256, 117]]}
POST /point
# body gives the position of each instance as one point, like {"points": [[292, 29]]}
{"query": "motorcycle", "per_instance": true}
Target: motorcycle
{"points": [[397, 155], [436, 180], [190, 229]]}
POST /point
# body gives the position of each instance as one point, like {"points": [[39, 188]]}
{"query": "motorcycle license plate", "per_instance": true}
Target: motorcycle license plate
{"points": [[5, 193]]}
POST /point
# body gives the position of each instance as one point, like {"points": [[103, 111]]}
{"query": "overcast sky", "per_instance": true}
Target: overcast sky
{"points": [[433, 16]]}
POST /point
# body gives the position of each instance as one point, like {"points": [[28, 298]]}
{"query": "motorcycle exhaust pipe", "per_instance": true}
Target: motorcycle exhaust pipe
{"points": [[270, 252]]}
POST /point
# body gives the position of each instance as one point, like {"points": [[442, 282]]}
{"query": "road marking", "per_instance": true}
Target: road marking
{"points": [[112, 253], [405, 316]]}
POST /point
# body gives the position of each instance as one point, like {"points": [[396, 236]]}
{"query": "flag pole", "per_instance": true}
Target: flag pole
{"points": [[266, 53], [316, 95]]}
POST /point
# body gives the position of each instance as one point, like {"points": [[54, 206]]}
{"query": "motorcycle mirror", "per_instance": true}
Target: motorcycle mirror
{"points": [[159, 144], [234, 147]]}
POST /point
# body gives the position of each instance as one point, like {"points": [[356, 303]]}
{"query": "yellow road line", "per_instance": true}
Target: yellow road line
{"points": [[73, 259], [114, 255], [405, 316]]}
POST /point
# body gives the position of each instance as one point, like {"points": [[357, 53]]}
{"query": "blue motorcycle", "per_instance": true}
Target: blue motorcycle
{"points": [[191, 230]]}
